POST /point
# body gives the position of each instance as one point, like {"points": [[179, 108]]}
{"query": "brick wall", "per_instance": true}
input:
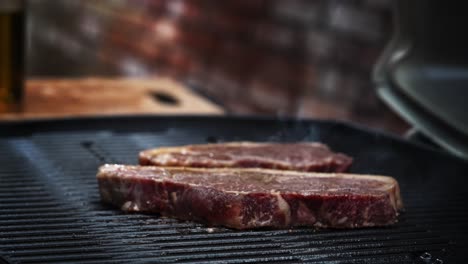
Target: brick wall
{"points": [[310, 58]]}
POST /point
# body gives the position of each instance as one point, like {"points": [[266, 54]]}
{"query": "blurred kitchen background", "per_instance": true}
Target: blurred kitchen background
{"points": [[304, 58]]}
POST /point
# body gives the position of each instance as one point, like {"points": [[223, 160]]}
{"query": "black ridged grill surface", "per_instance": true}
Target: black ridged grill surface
{"points": [[50, 209]]}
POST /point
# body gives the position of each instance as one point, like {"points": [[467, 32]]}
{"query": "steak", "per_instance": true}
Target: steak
{"points": [[285, 156], [252, 198]]}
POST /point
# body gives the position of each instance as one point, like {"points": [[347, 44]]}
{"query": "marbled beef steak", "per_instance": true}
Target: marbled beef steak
{"points": [[304, 156], [251, 198]]}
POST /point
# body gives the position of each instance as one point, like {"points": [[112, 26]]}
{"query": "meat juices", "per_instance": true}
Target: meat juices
{"points": [[252, 198], [304, 156]]}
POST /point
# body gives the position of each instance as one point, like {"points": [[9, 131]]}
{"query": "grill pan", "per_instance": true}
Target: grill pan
{"points": [[50, 209]]}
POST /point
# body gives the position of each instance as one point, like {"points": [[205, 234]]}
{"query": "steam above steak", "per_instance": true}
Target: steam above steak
{"points": [[285, 156], [252, 198]]}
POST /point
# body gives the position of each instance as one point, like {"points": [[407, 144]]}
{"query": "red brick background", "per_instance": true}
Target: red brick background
{"points": [[309, 58]]}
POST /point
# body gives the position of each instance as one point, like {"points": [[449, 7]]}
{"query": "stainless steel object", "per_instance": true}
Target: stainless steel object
{"points": [[423, 73]]}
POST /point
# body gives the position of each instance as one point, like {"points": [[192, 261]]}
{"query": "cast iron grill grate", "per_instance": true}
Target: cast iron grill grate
{"points": [[50, 209]]}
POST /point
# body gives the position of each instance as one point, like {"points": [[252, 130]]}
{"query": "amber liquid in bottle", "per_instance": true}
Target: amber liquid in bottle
{"points": [[11, 59]]}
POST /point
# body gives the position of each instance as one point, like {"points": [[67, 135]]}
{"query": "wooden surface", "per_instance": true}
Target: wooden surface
{"points": [[97, 96]]}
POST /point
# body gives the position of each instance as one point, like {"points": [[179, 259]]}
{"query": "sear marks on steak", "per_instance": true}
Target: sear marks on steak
{"points": [[252, 198], [304, 156]]}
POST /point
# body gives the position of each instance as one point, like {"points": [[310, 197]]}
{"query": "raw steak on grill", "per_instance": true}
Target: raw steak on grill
{"points": [[251, 198], [286, 156]]}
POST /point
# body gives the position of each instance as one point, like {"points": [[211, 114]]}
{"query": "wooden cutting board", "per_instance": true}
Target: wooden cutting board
{"points": [[49, 98]]}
